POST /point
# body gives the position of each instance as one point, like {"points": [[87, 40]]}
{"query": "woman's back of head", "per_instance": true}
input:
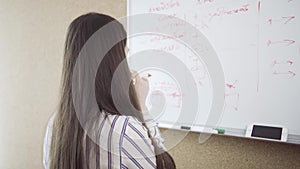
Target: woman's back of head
{"points": [[68, 134]]}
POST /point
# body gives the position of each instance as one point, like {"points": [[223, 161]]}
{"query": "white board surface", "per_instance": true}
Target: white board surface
{"points": [[258, 45]]}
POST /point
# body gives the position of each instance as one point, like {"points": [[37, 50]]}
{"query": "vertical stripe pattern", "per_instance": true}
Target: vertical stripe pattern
{"points": [[123, 143], [109, 141]]}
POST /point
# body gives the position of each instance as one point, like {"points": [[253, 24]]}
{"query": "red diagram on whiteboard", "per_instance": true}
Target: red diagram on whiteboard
{"points": [[285, 41], [172, 92], [224, 12], [178, 97], [198, 70], [282, 67], [289, 62], [232, 97], [203, 2], [283, 19], [164, 6], [283, 73], [289, 73]]}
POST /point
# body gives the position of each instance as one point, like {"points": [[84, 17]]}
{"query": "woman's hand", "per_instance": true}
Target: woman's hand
{"points": [[141, 85]]}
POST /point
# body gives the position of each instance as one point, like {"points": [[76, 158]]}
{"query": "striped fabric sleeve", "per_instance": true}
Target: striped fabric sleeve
{"points": [[137, 150], [154, 131]]}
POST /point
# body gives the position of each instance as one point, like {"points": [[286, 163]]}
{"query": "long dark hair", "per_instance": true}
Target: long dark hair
{"points": [[67, 138]]}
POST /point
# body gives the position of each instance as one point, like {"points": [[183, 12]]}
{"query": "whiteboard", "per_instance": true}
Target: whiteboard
{"points": [[257, 44]]}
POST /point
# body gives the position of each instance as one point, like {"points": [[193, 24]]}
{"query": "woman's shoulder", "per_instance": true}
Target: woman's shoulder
{"points": [[126, 129], [124, 123]]}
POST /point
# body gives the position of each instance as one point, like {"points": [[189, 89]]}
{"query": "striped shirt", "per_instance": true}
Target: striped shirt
{"points": [[123, 143]]}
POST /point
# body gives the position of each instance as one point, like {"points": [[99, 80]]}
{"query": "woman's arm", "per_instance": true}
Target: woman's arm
{"points": [[142, 89]]}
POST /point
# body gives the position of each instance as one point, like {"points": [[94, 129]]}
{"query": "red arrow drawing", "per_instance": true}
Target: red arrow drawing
{"points": [[149, 75], [231, 86], [285, 41], [285, 73], [284, 19], [275, 62]]}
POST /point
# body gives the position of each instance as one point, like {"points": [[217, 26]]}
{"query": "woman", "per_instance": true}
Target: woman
{"points": [[122, 138]]}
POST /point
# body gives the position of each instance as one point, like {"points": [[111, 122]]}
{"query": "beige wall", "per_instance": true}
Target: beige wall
{"points": [[32, 35], [31, 43]]}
